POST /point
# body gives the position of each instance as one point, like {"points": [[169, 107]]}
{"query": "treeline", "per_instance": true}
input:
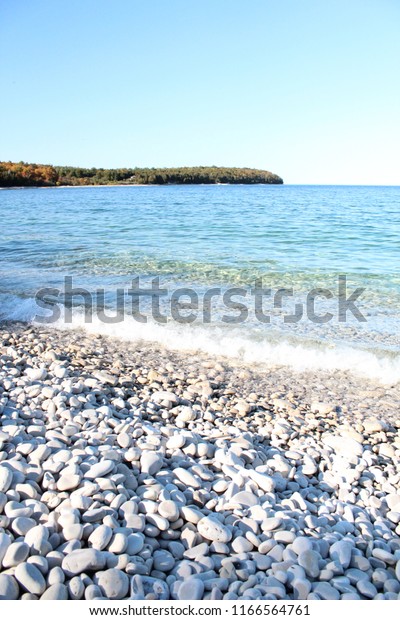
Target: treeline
{"points": [[37, 175]]}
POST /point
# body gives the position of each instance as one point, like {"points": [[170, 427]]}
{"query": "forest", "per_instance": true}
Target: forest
{"points": [[37, 175]]}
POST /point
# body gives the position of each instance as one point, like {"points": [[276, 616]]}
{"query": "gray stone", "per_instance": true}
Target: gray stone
{"points": [[114, 583], [309, 560], [150, 463], [341, 552], [191, 590], [16, 553], [83, 560], [56, 592], [30, 578], [6, 477], [214, 530], [9, 590]]}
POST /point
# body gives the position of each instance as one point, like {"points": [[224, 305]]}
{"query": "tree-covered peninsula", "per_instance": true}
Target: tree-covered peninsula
{"points": [[36, 175]]}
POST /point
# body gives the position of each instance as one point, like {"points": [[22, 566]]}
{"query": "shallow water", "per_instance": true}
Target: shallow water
{"points": [[197, 237]]}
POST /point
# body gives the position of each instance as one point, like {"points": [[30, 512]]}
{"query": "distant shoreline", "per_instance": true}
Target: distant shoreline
{"points": [[140, 185]]}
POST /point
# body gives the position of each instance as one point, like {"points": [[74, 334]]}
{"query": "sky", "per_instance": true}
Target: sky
{"points": [[308, 89]]}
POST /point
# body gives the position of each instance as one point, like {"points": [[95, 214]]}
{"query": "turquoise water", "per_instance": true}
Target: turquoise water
{"points": [[296, 237]]}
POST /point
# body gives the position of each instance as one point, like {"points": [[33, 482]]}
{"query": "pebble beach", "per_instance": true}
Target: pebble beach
{"points": [[132, 472]]}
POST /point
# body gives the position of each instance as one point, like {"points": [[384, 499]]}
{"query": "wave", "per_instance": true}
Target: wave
{"points": [[242, 344]]}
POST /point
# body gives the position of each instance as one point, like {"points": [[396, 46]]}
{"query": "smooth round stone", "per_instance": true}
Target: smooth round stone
{"points": [[149, 587], [163, 561], [37, 538], [135, 543], [100, 469], [5, 542], [73, 531], [355, 575], [135, 522], [214, 530], [384, 556], [175, 442], [191, 590], [309, 560], [76, 588], [118, 544], [9, 590], [83, 560], [100, 537], [36, 374], [124, 440], [16, 553], [241, 545], [30, 578], [271, 523], [366, 588], [341, 552], [284, 536], [300, 544], [92, 592], [301, 589], [41, 562], [244, 498], [56, 592], [22, 525], [169, 510], [150, 463], [113, 583], [56, 575], [191, 514], [326, 591], [187, 478], [68, 482], [398, 570], [6, 477]]}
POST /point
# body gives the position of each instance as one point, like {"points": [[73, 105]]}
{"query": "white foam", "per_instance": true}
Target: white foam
{"points": [[247, 346], [237, 343]]}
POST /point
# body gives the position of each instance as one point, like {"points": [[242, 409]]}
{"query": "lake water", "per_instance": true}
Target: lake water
{"points": [[293, 239]]}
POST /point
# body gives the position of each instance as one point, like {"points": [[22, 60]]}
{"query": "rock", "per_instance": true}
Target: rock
{"points": [[169, 510], [36, 538], [135, 543], [56, 592], [36, 374], [9, 590], [163, 560], [100, 537], [321, 408], [68, 482], [191, 590], [83, 560], [150, 463], [6, 477], [326, 592], [100, 469], [212, 529], [373, 425], [30, 578], [309, 560], [5, 542], [149, 587], [341, 552], [244, 498], [16, 553], [187, 478], [113, 583]]}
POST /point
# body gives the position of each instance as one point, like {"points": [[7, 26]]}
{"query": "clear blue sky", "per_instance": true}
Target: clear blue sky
{"points": [[309, 89]]}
